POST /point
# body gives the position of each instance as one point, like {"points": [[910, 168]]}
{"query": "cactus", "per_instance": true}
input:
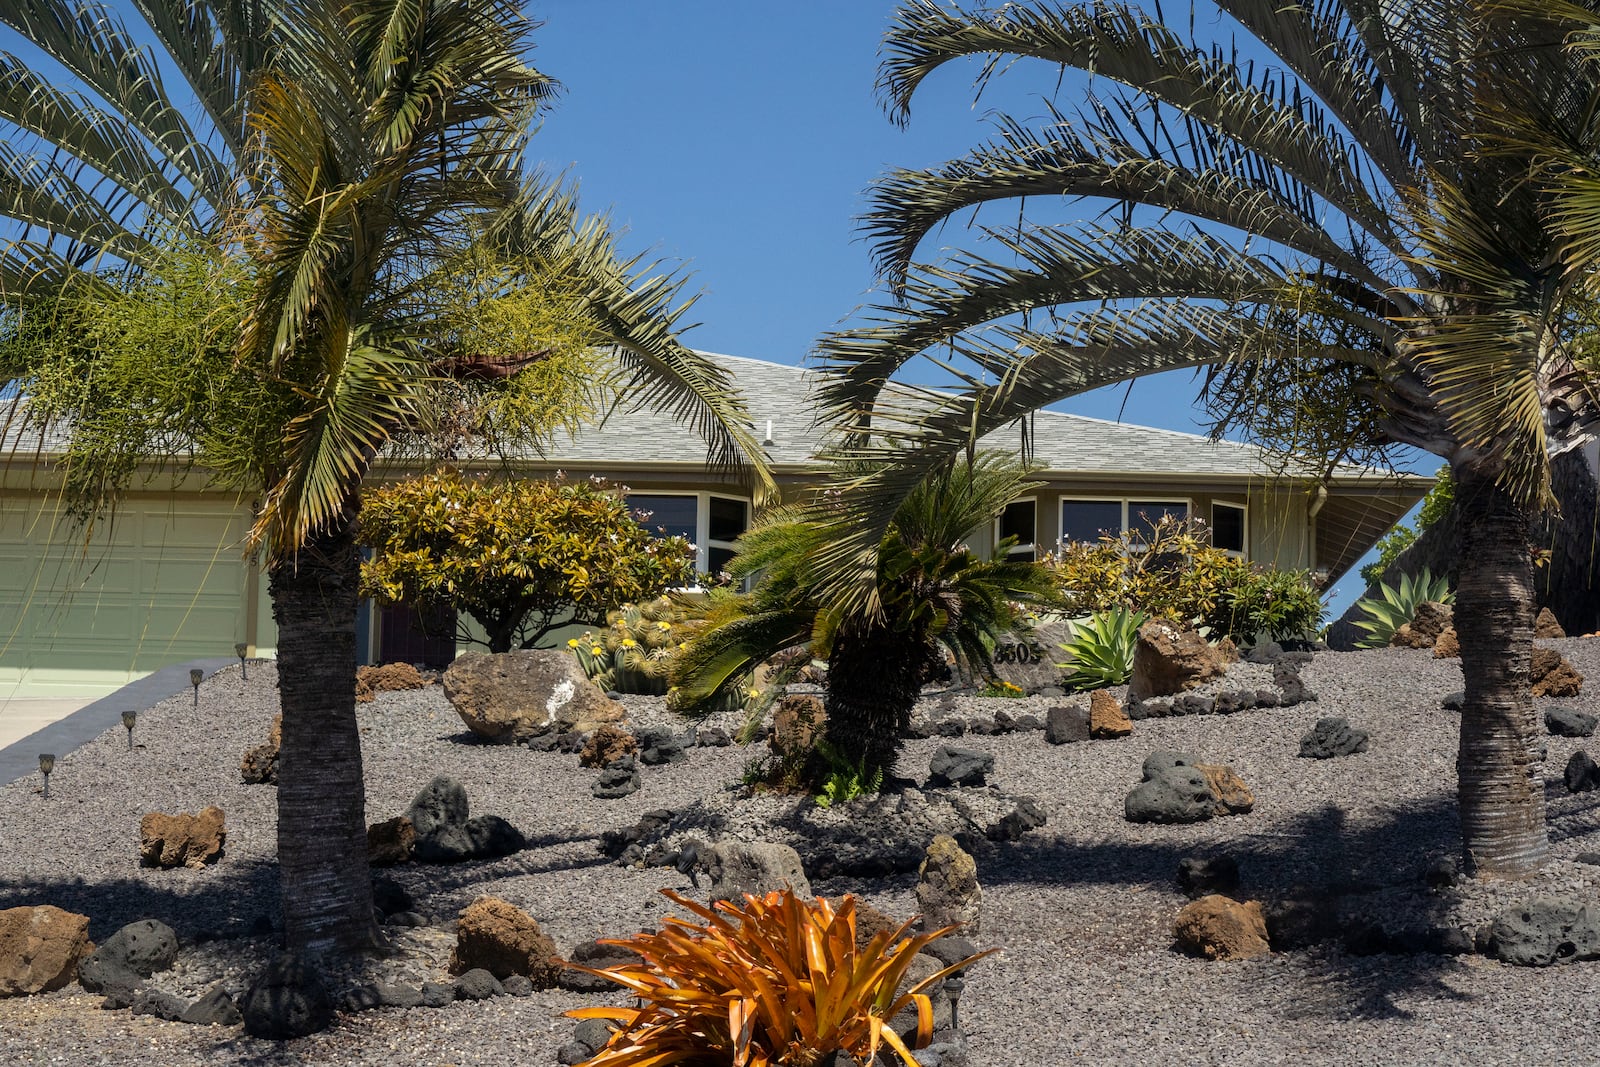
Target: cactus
{"points": [[633, 652]]}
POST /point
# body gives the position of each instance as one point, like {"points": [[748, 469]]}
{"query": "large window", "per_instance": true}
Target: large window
{"points": [[709, 522], [1019, 520], [1088, 519]]}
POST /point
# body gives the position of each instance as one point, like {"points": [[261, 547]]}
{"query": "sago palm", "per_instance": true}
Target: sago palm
{"points": [[936, 594], [358, 188], [1363, 185]]}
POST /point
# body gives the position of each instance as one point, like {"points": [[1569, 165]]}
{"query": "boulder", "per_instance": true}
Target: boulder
{"points": [[141, 948], [1582, 774], [601, 957], [618, 780], [1199, 877], [607, 745], [288, 999], [1569, 722], [40, 949], [1545, 626], [797, 723], [1066, 723], [1332, 737], [947, 887], [1167, 661], [1429, 621], [1448, 645], [1221, 928], [391, 842], [1173, 791], [951, 765], [757, 867], [445, 834], [1554, 675], [1106, 717], [1229, 794], [1027, 815], [498, 937], [509, 697], [182, 840], [1543, 931]]}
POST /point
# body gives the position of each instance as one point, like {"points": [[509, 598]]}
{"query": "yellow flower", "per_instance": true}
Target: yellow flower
{"points": [[572, 642], [628, 642], [663, 626], [596, 650]]}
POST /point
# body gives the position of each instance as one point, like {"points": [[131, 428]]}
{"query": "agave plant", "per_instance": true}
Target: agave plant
{"points": [[1100, 650], [776, 980], [1394, 607]]}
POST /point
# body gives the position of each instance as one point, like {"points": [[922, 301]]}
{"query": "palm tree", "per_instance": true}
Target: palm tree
{"points": [[1369, 186], [359, 186], [935, 592]]}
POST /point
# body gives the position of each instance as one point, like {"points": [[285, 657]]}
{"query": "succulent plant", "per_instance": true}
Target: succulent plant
{"points": [[633, 652], [1100, 651], [1395, 606]]}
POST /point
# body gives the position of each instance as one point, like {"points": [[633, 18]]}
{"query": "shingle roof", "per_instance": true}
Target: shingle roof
{"points": [[1068, 444]]}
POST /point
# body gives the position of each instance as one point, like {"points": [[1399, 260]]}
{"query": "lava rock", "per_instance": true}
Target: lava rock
{"points": [[145, 947], [1200, 877], [1569, 722], [1332, 737], [478, 984], [288, 999], [437, 994], [712, 737], [1173, 791], [659, 746], [617, 781], [601, 957], [215, 1008], [947, 887], [499, 938], [951, 765], [1543, 931], [1221, 928], [389, 897], [1027, 815], [1066, 723], [160, 1004], [1453, 700], [1582, 775], [182, 840], [756, 867]]}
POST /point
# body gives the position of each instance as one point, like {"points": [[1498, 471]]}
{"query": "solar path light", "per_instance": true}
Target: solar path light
{"points": [[128, 718], [47, 763], [196, 676], [239, 650]]}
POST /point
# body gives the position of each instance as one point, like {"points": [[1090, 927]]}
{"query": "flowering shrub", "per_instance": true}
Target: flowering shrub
{"points": [[1173, 573], [519, 557]]}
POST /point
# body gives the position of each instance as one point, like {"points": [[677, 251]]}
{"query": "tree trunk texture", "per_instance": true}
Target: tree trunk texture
{"points": [[874, 678], [1501, 787], [1569, 585], [322, 829]]}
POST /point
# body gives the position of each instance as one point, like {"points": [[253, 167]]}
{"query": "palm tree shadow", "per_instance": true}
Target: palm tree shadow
{"points": [[1352, 899]]}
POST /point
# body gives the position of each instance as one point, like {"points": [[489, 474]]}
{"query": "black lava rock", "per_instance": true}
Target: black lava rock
{"points": [[1201, 876], [1066, 723], [478, 984], [959, 766], [1569, 722], [658, 746], [215, 1008], [618, 780], [288, 999], [1581, 775], [1332, 737]]}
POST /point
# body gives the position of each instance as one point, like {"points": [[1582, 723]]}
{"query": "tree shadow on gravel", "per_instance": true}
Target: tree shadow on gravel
{"points": [[1372, 876], [233, 898]]}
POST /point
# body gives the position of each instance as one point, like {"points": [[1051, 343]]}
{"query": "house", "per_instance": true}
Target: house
{"points": [[166, 580]]}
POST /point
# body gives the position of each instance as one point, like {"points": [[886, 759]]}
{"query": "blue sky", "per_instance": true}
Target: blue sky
{"points": [[741, 137]]}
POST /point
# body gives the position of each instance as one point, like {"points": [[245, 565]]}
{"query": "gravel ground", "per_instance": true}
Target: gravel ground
{"points": [[1082, 909]]}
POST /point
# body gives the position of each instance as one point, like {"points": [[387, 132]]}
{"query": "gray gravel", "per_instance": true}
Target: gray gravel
{"points": [[1082, 909]]}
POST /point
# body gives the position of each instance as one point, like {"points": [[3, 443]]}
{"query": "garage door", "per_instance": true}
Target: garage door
{"points": [[161, 583]]}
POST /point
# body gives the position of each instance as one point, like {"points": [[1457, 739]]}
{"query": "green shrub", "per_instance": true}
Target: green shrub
{"points": [[844, 780], [1100, 651], [1395, 606], [1174, 574]]}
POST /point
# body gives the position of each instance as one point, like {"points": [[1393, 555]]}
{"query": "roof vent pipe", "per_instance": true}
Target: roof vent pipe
{"points": [[768, 439]]}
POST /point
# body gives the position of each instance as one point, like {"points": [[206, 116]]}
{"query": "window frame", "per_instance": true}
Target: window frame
{"points": [[702, 542]]}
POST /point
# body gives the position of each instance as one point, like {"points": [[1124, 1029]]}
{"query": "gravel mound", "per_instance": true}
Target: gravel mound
{"points": [[1082, 908]]}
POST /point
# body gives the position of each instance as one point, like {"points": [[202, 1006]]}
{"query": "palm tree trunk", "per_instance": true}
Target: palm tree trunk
{"points": [[874, 677], [1500, 774], [322, 830]]}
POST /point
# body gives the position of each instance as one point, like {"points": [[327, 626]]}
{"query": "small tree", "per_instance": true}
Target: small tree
{"points": [[519, 557]]}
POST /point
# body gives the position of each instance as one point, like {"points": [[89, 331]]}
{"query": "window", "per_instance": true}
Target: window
{"points": [[1143, 515], [708, 522], [726, 521], [1227, 528], [1018, 520], [666, 516], [1087, 519]]}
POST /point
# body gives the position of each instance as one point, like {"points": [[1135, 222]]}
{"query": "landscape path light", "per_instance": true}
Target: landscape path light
{"points": [[239, 650], [953, 987], [128, 718], [47, 763], [196, 676]]}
